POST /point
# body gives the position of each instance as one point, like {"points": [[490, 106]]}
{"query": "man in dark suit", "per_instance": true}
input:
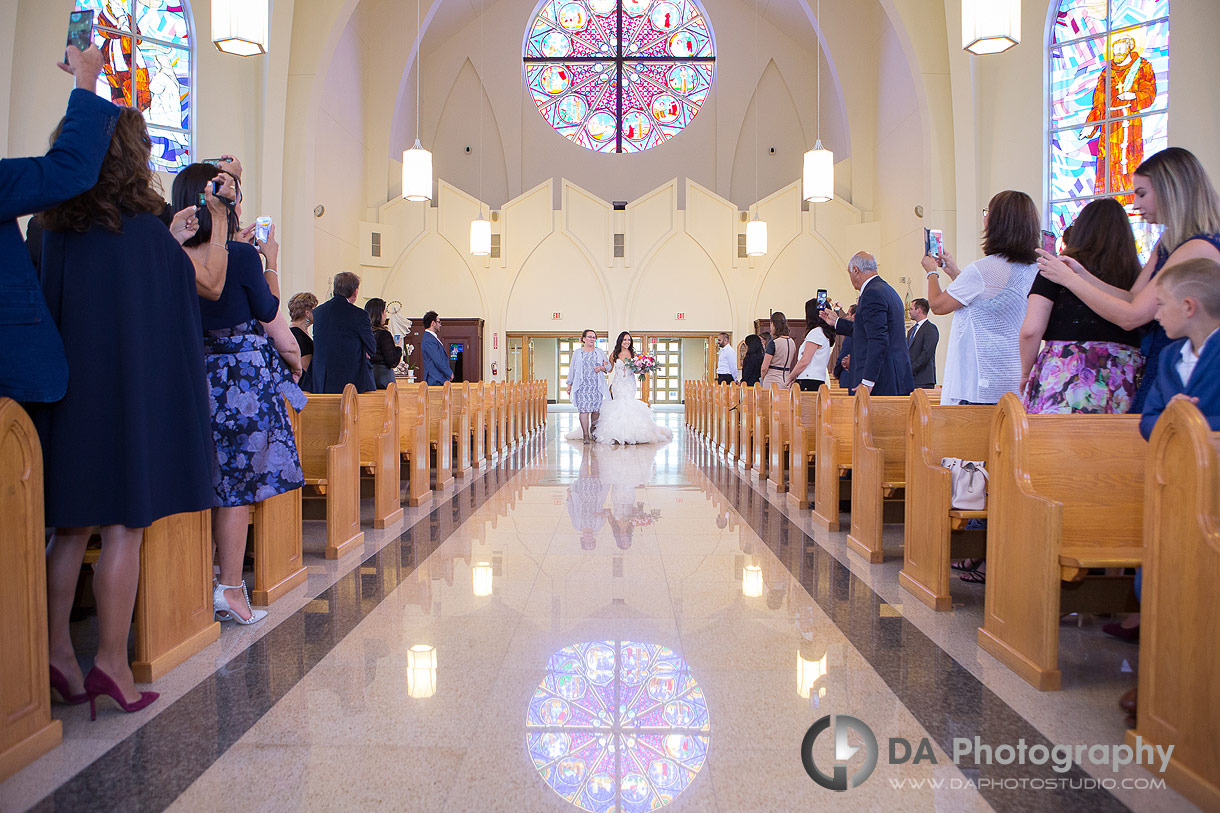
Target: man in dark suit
{"points": [[842, 368], [436, 358], [342, 340], [922, 339], [879, 360]]}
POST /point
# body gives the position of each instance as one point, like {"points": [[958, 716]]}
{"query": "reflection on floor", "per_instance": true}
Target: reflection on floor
{"points": [[597, 628]]}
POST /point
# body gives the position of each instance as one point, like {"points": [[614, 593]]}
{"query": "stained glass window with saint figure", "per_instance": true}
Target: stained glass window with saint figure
{"points": [[1109, 99], [619, 75], [147, 48]]}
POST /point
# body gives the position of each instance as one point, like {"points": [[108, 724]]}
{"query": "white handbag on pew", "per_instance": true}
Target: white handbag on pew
{"points": [[969, 483]]}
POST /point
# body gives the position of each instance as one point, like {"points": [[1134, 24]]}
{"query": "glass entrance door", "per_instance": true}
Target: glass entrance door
{"points": [[665, 383]]}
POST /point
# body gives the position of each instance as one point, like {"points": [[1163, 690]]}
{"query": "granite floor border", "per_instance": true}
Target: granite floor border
{"points": [[151, 767], [943, 696]]}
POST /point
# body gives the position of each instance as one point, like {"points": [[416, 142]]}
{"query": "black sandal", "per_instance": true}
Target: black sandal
{"points": [[966, 565], [974, 577]]}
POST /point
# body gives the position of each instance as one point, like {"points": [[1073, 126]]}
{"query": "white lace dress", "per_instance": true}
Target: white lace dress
{"points": [[625, 418]]}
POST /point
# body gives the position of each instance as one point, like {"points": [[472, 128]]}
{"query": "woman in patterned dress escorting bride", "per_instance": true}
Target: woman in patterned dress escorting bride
{"points": [[587, 383]]}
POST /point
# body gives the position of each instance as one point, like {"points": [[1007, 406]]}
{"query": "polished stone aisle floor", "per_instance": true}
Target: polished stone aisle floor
{"points": [[599, 628]]}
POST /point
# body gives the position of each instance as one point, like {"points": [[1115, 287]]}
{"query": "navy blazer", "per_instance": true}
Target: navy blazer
{"points": [[1204, 384], [923, 355], [879, 344], [32, 362], [436, 360], [342, 346]]}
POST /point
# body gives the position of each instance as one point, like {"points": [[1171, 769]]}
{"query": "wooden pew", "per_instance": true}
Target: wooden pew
{"points": [[173, 615], [515, 432], [540, 405], [28, 731], [780, 433], [687, 402], [505, 407], [440, 434], [279, 564], [459, 422], [745, 445], [330, 457], [834, 454], [491, 421], [380, 452], [802, 445], [879, 451], [732, 423], [1179, 628], [760, 435], [413, 444], [704, 419], [935, 532], [478, 426], [1066, 495]]}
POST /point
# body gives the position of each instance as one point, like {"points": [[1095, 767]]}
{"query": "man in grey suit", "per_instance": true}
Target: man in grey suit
{"points": [[922, 339]]}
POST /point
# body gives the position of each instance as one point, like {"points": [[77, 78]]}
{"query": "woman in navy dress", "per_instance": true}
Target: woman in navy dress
{"points": [[130, 441], [587, 383], [256, 452]]}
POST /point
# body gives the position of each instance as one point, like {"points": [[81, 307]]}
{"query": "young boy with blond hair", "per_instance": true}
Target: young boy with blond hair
{"points": [[1188, 307]]}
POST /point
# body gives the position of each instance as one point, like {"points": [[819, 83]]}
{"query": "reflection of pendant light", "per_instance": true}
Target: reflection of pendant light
{"points": [[756, 230], [482, 579], [417, 162], [807, 673], [990, 26], [818, 174], [421, 671], [240, 26], [752, 581], [480, 229]]}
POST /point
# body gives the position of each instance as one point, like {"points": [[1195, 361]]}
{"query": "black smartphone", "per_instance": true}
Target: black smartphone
{"points": [[213, 161], [822, 299], [80, 30], [1050, 243]]}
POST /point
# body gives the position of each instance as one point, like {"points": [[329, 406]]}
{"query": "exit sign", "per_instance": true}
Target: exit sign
{"points": [[556, 315], [679, 316]]}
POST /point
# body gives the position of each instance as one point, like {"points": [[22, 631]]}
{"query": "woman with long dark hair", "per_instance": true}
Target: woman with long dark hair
{"points": [[751, 362], [812, 368], [780, 352], [626, 419], [130, 441], [1087, 364], [388, 354]]}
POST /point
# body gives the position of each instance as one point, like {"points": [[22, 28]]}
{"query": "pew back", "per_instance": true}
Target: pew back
{"points": [[380, 451]]}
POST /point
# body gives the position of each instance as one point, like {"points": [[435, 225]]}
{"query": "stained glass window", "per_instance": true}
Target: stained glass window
{"points": [[1109, 79], [146, 49], [619, 75], [618, 725]]}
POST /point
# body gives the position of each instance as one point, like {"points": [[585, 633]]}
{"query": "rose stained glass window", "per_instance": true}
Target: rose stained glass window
{"points": [[1109, 98], [619, 75], [618, 725], [146, 50]]}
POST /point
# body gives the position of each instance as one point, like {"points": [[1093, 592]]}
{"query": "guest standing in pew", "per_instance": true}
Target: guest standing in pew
{"points": [[131, 440], [751, 363], [1188, 309], [726, 360], [300, 314], [32, 363], [388, 354], [780, 352], [343, 343], [251, 358], [436, 357], [880, 358], [812, 367], [987, 299], [1172, 189], [922, 339], [1086, 364]]}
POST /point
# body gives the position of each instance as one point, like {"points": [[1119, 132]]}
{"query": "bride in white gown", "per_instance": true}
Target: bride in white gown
{"points": [[625, 418]]}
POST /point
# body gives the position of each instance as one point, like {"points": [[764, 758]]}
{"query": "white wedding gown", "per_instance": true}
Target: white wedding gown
{"points": [[624, 418]]}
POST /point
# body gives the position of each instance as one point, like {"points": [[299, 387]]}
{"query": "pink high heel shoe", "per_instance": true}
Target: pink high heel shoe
{"points": [[60, 684], [98, 683]]}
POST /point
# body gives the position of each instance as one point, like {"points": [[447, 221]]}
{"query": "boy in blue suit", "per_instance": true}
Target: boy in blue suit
{"points": [[1188, 307], [436, 359]]}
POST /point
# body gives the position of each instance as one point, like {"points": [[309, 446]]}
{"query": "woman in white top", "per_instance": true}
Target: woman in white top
{"points": [[988, 299], [812, 368]]}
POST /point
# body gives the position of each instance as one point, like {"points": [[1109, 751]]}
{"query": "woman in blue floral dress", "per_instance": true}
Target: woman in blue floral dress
{"points": [[248, 350], [587, 382]]}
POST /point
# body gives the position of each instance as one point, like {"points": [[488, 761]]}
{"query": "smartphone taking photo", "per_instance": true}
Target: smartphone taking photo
{"points": [[823, 300], [80, 30], [262, 229], [933, 243], [1050, 243]]}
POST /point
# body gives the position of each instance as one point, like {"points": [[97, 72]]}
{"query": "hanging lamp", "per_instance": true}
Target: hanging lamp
{"points": [[240, 27], [417, 162], [990, 26], [756, 237], [818, 172], [480, 229], [756, 230]]}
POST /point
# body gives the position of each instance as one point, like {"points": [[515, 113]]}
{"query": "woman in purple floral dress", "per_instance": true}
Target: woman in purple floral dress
{"points": [[1086, 364]]}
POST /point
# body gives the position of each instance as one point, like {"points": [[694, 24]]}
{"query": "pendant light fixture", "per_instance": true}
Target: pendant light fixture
{"points": [[818, 173], [417, 162], [480, 229], [240, 27], [990, 26], [756, 230]]}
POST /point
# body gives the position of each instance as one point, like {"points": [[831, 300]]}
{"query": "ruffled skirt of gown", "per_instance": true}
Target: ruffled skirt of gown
{"points": [[629, 421]]}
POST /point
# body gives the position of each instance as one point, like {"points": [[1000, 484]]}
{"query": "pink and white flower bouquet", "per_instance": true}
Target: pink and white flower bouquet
{"points": [[642, 364]]}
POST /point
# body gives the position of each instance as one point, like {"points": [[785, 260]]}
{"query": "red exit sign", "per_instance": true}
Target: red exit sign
{"points": [[556, 315], [680, 316]]}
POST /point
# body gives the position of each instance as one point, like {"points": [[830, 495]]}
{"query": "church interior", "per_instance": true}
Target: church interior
{"points": [[630, 626]]}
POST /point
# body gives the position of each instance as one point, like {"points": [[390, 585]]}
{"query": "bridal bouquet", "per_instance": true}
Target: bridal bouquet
{"points": [[642, 365]]}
